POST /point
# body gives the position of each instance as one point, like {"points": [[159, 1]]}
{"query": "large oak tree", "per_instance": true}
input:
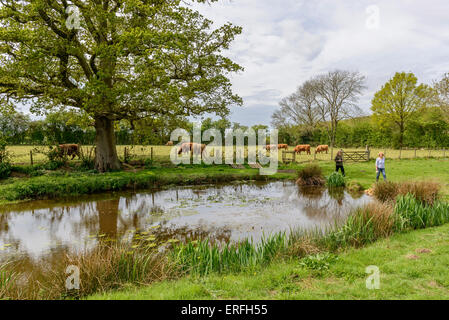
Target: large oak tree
{"points": [[113, 60]]}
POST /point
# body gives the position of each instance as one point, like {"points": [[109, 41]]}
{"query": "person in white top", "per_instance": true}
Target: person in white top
{"points": [[380, 167]]}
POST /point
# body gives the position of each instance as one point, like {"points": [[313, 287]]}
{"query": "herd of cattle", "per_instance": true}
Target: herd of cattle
{"points": [[199, 148], [73, 150], [300, 148]]}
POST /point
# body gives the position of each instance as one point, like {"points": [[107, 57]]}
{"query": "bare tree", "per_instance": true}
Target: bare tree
{"points": [[442, 90], [299, 108], [336, 97]]}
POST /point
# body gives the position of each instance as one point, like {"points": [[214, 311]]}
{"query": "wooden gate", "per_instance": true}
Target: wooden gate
{"points": [[356, 156]]}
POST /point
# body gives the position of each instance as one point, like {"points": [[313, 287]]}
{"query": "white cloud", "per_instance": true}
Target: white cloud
{"points": [[286, 42]]}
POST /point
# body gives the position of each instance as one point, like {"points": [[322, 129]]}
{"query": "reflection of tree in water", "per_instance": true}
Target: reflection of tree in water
{"points": [[328, 205], [4, 225], [108, 217]]}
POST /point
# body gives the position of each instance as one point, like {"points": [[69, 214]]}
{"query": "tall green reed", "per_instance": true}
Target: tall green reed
{"points": [[202, 257]]}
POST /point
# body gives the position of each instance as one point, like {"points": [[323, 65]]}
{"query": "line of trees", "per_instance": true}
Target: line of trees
{"points": [[323, 110], [72, 127]]}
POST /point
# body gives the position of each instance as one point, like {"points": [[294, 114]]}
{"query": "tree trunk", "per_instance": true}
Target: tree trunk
{"points": [[106, 158], [401, 135]]}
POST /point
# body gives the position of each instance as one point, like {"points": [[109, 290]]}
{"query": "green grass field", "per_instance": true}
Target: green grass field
{"points": [[21, 154], [412, 266]]}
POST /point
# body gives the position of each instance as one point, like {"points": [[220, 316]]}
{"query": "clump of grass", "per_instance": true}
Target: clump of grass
{"points": [[385, 191], [203, 257], [101, 269], [319, 262], [425, 191], [354, 187], [8, 280], [311, 175], [336, 180], [412, 213], [365, 225]]}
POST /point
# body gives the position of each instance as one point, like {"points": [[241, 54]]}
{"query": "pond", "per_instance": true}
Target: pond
{"points": [[45, 230]]}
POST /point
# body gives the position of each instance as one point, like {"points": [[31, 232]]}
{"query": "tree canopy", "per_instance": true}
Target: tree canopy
{"points": [[113, 60], [399, 99]]}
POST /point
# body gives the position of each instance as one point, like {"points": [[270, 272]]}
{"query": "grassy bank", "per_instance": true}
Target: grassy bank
{"points": [[54, 184], [66, 184], [412, 265]]}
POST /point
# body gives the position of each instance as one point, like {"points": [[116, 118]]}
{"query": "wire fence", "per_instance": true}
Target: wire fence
{"points": [[25, 155]]}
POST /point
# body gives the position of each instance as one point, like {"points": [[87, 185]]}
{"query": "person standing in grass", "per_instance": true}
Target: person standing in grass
{"points": [[339, 162], [380, 167]]}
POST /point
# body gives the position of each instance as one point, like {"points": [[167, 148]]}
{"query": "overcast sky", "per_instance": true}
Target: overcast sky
{"points": [[285, 42]]}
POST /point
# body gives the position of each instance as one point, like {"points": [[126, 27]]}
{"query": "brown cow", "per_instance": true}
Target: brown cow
{"points": [[69, 150], [192, 147], [283, 146], [170, 144], [276, 147], [323, 148], [303, 148]]}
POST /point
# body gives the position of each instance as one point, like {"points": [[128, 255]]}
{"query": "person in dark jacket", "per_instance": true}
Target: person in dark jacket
{"points": [[339, 162]]}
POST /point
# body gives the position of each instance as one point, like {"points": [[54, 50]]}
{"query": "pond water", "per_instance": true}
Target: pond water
{"points": [[44, 230]]}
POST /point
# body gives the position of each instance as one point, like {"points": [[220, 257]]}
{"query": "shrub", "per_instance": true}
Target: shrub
{"points": [[336, 180], [311, 175], [5, 165], [385, 191], [5, 170], [87, 158]]}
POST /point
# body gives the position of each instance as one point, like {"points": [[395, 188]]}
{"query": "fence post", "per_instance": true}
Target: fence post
{"points": [[400, 153], [415, 153], [368, 151], [31, 157], [151, 154], [444, 153], [125, 156]]}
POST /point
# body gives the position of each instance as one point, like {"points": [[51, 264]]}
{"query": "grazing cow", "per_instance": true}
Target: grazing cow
{"points": [[69, 150], [170, 144], [303, 148], [192, 147], [283, 146], [276, 147], [321, 149]]}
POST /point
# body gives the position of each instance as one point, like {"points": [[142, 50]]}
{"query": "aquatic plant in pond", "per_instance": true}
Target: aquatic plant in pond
{"points": [[311, 175], [336, 180]]}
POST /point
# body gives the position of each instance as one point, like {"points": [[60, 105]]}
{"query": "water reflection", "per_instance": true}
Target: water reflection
{"points": [[43, 230]]}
